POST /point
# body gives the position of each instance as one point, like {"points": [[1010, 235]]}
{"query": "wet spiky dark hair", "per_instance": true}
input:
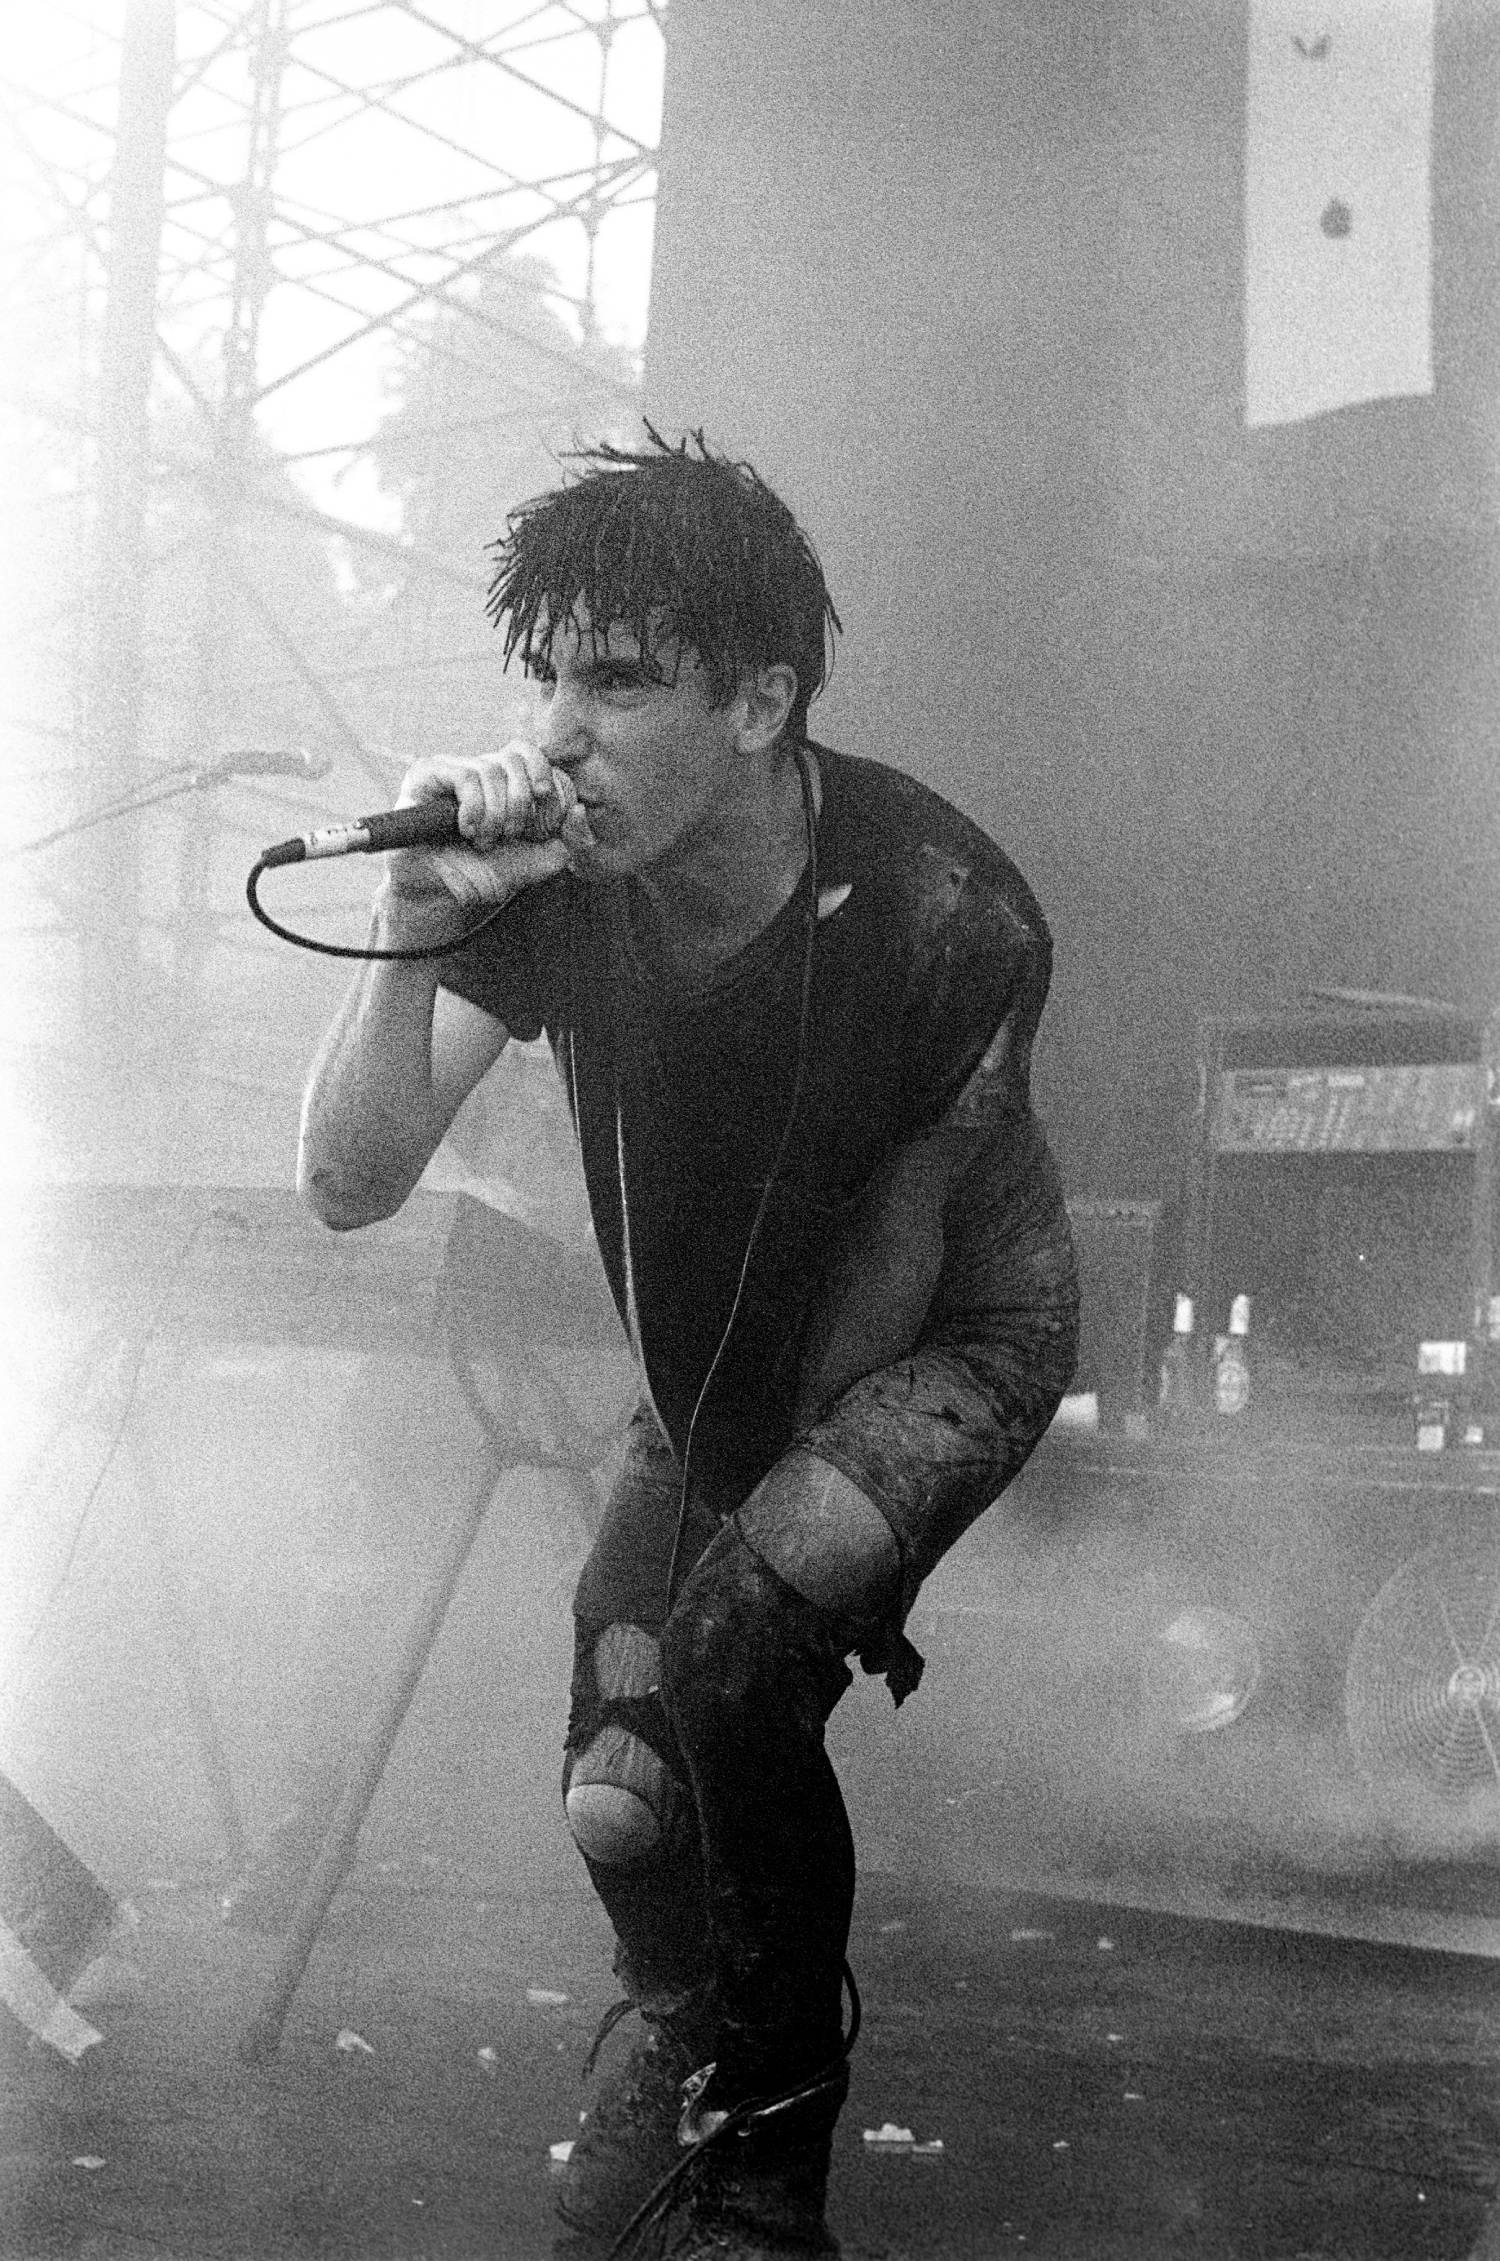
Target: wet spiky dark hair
{"points": [[679, 545]]}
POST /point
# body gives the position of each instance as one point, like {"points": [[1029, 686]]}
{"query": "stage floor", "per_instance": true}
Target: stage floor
{"points": [[1102, 2082]]}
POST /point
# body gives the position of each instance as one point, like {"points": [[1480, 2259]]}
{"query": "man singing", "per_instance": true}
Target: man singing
{"points": [[792, 996]]}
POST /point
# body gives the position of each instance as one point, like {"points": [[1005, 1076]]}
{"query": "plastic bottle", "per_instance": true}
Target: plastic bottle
{"points": [[1232, 1360], [1440, 1402], [1176, 1396]]}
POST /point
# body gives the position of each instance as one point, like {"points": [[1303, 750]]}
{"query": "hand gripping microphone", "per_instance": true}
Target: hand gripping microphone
{"points": [[424, 824]]}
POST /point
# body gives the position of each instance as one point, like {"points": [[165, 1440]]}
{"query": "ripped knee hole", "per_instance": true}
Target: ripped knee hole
{"points": [[621, 1798]]}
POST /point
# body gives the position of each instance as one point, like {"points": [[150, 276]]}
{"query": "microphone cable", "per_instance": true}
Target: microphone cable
{"points": [[352, 950], [429, 823]]}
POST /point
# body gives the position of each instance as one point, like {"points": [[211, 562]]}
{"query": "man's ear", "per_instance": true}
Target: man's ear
{"points": [[765, 702]]}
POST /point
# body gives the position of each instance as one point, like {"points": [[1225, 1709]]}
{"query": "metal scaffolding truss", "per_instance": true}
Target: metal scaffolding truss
{"points": [[302, 296], [331, 178]]}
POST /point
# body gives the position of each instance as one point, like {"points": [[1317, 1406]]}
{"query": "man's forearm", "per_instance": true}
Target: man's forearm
{"points": [[392, 1074], [371, 1118], [938, 1432], [880, 1280]]}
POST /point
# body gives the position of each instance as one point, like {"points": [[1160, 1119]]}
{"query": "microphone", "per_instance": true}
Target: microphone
{"points": [[423, 824]]}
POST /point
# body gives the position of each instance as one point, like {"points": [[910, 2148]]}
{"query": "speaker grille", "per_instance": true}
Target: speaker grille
{"points": [[1422, 1689]]}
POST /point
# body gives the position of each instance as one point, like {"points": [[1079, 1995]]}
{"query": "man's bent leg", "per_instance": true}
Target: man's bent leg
{"points": [[753, 1663], [827, 1539], [631, 1812], [750, 1672], [632, 1817], [627, 1799], [751, 1668], [633, 1804]]}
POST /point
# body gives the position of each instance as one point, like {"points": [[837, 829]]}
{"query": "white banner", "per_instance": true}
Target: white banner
{"points": [[1338, 205]]}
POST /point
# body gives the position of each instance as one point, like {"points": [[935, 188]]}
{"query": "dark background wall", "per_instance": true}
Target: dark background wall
{"points": [[965, 282]]}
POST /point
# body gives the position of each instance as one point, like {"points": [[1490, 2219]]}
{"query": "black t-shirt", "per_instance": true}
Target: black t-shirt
{"points": [[681, 1090]]}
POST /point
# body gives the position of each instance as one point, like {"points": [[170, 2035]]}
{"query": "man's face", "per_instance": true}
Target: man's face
{"points": [[650, 755]]}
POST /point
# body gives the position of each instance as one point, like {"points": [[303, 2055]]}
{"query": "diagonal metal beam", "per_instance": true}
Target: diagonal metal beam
{"points": [[368, 537], [414, 298], [537, 86], [436, 295]]}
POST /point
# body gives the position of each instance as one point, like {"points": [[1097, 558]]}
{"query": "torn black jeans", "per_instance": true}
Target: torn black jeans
{"points": [[747, 1902]]}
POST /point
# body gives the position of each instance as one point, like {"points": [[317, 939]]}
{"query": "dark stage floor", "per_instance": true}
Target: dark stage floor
{"points": [[1103, 2084]]}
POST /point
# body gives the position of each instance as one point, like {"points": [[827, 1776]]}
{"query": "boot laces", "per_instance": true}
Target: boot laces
{"points": [[701, 2131]]}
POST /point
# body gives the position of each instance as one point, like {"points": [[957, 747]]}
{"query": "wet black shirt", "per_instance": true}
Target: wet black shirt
{"points": [[930, 945]]}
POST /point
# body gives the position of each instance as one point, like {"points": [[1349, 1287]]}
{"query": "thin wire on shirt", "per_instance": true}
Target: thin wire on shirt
{"points": [[804, 1015]]}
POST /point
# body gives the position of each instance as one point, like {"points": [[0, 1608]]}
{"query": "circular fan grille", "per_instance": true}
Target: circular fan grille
{"points": [[1422, 1690]]}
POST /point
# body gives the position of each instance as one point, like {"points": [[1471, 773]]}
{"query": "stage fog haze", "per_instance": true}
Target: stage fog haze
{"points": [[259, 1541], [1228, 693], [993, 297]]}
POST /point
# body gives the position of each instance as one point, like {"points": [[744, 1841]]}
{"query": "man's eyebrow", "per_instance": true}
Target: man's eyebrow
{"points": [[596, 666], [638, 668]]}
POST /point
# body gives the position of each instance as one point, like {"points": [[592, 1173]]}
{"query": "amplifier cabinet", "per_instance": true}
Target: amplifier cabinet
{"points": [[1342, 1176]]}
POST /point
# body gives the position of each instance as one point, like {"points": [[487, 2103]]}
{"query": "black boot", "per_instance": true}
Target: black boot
{"points": [[757, 2191], [629, 2137]]}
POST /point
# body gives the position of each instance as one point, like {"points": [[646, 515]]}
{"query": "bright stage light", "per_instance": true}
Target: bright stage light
{"points": [[1203, 1669]]}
